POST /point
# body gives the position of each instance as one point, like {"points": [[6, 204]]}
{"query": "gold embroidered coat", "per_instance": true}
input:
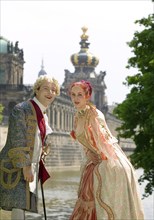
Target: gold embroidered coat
{"points": [[17, 153]]}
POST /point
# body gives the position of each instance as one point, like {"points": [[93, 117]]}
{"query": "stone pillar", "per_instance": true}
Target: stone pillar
{"points": [[49, 115], [62, 120], [58, 119], [70, 122], [53, 118], [67, 120]]}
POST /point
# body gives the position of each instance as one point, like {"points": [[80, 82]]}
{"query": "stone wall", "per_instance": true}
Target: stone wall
{"points": [[65, 152]]}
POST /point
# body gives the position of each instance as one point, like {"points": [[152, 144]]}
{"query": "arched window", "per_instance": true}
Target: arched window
{"points": [[2, 76]]}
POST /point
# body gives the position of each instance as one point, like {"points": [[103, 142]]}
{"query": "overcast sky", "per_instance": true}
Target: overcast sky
{"points": [[51, 30]]}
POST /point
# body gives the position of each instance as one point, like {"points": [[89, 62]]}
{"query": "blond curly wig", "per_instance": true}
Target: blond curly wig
{"points": [[44, 78]]}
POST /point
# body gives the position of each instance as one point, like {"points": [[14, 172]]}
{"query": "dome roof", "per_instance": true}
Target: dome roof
{"points": [[3, 45], [42, 71], [84, 57]]}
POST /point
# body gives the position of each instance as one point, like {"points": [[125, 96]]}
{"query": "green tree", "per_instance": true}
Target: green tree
{"points": [[137, 111], [1, 110]]}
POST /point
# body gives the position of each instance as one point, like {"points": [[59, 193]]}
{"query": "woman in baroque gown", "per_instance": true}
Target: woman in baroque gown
{"points": [[108, 187]]}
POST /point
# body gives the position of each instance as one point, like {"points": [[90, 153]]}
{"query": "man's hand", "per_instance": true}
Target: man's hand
{"points": [[45, 152], [27, 172]]}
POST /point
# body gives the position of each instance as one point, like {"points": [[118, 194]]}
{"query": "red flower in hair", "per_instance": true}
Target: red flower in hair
{"points": [[88, 85]]}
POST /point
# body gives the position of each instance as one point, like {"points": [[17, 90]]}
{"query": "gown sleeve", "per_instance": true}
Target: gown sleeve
{"points": [[100, 137]]}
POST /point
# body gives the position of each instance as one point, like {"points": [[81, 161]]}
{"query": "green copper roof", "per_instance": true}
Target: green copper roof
{"points": [[3, 45]]}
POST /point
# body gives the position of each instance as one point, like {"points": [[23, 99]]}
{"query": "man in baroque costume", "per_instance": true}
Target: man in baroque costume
{"points": [[21, 157]]}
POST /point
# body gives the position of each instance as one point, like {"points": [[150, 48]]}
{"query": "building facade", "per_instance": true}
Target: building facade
{"points": [[12, 62]]}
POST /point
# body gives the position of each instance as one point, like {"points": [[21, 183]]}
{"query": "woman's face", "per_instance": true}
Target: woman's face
{"points": [[78, 97]]}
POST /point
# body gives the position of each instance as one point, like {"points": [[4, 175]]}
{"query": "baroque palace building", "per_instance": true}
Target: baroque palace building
{"points": [[65, 152]]}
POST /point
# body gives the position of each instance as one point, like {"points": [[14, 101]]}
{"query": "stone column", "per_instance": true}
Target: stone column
{"points": [[49, 112], [58, 119], [53, 118], [62, 119]]}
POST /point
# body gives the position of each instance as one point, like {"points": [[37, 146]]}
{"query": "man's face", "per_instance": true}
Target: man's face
{"points": [[46, 93]]}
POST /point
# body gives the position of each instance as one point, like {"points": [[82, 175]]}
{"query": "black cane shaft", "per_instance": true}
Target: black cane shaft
{"points": [[43, 200]]}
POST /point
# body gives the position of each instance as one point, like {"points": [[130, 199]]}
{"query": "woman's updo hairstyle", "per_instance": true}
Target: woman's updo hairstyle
{"points": [[85, 85]]}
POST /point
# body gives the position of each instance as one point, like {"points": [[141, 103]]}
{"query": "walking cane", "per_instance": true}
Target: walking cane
{"points": [[43, 176], [43, 200]]}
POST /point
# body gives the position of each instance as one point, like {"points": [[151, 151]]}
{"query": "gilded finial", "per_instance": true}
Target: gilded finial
{"points": [[84, 36]]}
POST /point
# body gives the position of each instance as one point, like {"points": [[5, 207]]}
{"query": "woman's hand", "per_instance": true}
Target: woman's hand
{"points": [[95, 158], [28, 175]]}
